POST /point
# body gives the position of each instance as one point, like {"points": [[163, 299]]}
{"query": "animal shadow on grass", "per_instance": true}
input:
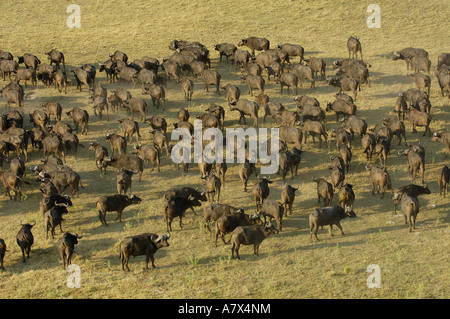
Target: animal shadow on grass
{"points": [[399, 225], [393, 80], [138, 263], [326, 242], [16, 265], [309, 53], [128, 216]]}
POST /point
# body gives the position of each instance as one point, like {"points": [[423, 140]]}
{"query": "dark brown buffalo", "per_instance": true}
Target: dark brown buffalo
{"points": [[130, 128], [245, 170], [100, 154], [80, 118], [225, 50], [66, 247], [408, 53], [213, 186], [71, 143], [422, 81], [232, 93], [158, 95], [126, 161], [261, 190], [241, 58], [253, 82], [290, 80], [329, 216], [444, 138], [8, 67], [149, 153], [419, 63], [53, 145], [293, 50], [187, 86], [117, 142], [255, 44], [53, 109], [313, 129], [115, 203], [12, 181], [318, 65], [30, 61], [354, 46], [345, 84], [146, 244], [401, 106], [60, 79], [443, 77], [227, 223], [246, 107], [39, 119], [210, 77], [26, 75], [303, 72], [418, 118], [13, 96], [124, 181], [379, 178], [25, 239], [397, 127], [56, 57], [443, 177], [82, 77]]}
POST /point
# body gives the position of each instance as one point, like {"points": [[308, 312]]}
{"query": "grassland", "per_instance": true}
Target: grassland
{"points": [[413, 265]]}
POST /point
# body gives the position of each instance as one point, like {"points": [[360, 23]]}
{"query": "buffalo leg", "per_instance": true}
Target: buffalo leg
{"points": [[147, 258], [223, 238], [153, 261], [232, 250], [315, 232], [237, 252], [340, 228], [127, 258], [119, 216], [100, 216]]}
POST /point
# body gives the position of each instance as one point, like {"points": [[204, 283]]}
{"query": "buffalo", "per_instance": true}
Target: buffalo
{"points": [[176, 207], [66, 247], [25, 239], [345, 84], [250, 235], [115, 203], [408, 53], [379, 178], [146, 244], [255, 44], [331, 215], [126, 161], [354, 46], [443, 177], [444, 138], [261, 190], [212, 212], [225, 224]]}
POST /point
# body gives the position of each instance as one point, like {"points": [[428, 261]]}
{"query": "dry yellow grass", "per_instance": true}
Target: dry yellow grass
{"points": [[413, 265]]}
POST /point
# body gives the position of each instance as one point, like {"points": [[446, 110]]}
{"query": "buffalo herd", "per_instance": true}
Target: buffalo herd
{"points": [[190, 63]]}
